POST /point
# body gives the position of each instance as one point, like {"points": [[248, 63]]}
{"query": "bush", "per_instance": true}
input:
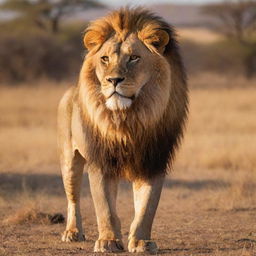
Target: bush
{"points": [[31, 56], [227, 56]]}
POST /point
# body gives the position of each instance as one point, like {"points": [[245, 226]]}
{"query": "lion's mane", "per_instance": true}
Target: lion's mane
{"points": [[139, 142]]}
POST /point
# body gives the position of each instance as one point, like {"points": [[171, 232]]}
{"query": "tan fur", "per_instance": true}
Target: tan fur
{"points": [[130, 129]]}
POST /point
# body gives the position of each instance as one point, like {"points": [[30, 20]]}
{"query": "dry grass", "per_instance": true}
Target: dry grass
{"points": [[220, 133], [207, 207], [27, 127], [27, 215], [221, 130], [198, 35]]}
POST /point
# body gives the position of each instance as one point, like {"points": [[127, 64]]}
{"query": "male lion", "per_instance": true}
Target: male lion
{"points": [[124, 120]]}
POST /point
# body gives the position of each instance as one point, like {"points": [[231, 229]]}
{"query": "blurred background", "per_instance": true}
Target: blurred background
{"points": [[41, 52], [44, 37]]}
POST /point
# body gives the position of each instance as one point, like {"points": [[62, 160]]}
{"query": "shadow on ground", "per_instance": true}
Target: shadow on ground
{"points": [[212, 184], [52, 184], [16, 183]]}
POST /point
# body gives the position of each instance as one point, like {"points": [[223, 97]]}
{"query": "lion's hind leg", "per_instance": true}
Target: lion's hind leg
{"points": [[72, 178], [72, 165], [146, 198]]}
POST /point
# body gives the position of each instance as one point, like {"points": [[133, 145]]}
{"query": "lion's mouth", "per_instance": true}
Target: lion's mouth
{"points": [[117, 101], [121, 95]]}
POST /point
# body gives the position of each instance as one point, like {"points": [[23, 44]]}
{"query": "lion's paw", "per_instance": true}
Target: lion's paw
{"points": [[72, 235], [108, 246], [148, 246]]}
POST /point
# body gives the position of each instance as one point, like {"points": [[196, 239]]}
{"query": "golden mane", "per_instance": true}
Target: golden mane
{"points": [[149, 27], [139, 142]]}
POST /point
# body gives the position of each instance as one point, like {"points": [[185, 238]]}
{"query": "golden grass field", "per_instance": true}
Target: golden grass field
{"points": [[203, 35], [208, 205]]}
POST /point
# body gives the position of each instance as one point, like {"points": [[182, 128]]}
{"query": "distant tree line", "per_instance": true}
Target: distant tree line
{"points": [[36, 43]]}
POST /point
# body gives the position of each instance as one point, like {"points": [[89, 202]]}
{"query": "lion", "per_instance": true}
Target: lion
{"points": [[124, 120]]}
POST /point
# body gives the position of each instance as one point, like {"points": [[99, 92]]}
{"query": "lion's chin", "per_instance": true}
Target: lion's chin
{"points": [[118, 102]]}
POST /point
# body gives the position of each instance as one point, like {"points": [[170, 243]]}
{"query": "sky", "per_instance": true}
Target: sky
{"points": [[140, 2]]}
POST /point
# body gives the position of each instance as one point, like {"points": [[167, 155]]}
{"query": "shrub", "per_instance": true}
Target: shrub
{"points": [[227, 57], [32, 56]]}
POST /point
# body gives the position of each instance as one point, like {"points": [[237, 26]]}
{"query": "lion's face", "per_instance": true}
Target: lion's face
{"points": [[128, 78], [123, 68]]}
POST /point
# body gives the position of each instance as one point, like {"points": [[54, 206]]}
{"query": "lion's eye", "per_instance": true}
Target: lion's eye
{"points": [[133, 58], [105, 59]]}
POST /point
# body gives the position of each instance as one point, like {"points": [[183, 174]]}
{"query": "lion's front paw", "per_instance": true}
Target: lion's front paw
{"points": [[142, 246], [108, 246], [72, 235]]}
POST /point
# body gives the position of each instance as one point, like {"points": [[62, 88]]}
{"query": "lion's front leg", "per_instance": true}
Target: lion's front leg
{"points": [[104, 192], [146, 198]]}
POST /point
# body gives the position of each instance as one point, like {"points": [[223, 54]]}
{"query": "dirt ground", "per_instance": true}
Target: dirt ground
{"points": [[208, 204], [192, 218]]}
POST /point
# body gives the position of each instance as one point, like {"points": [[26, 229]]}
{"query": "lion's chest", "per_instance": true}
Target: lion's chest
{"points": [[140, 157]]}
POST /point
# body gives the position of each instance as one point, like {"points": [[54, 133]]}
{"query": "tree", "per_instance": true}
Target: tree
{"points": [[237, 17], [237, 21], [47, 14]]}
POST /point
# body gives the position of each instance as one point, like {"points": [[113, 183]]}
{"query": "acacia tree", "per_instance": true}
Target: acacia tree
{"points": [[47, 14], [236, 19]]}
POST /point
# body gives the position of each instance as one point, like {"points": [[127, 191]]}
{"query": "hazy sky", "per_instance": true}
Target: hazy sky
{"points": [[139, 2]]}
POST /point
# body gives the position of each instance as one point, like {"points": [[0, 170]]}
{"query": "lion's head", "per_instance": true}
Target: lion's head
{"points": [[132, 83], [124, 66]]}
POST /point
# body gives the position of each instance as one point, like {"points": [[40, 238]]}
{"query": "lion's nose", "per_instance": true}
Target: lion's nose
{"points": [[115, 80]]}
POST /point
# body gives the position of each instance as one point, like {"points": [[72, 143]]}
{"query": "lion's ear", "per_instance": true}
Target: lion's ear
{"points": [[157, 39], [93, 39]]}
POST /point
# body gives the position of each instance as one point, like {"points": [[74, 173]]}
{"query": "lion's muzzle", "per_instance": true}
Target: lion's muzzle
{"points": [[115, 80]]}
